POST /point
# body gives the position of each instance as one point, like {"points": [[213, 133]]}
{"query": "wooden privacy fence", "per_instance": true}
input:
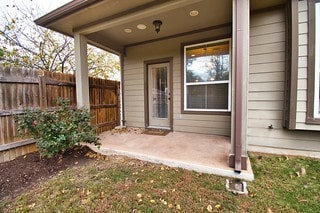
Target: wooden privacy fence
{"points": [[22, 88]]}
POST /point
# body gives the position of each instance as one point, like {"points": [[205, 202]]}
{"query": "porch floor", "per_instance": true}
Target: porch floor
{"points": [[198, 152]]}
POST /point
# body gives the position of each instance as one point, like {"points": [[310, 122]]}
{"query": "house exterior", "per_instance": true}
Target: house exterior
{"points": [[238, 68]]}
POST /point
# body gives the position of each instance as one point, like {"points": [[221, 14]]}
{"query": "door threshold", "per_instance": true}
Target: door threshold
{"points": [[159, 127]]}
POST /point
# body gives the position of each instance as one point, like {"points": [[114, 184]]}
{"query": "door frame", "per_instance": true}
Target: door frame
{"points": [[146, 89]]}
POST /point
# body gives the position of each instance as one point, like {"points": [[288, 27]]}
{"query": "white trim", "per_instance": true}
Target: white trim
{"points": [[209, 82], [185, 84], [317, 61], [155, 121], [206, 110], [81, 64]]}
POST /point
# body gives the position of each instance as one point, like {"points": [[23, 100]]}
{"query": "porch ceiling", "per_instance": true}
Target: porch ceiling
{"points": [[104, 21]]}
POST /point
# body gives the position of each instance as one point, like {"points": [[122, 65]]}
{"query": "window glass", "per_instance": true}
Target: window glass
{"points": [[209, 96], [207, 76], [208, 63]]}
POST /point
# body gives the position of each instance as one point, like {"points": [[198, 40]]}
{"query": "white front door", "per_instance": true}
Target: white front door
{"points": [[159, 95]]}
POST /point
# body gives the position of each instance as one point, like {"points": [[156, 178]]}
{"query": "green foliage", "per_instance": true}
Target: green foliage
{"points": [[56, 131], [119, 184], [25, 44]]}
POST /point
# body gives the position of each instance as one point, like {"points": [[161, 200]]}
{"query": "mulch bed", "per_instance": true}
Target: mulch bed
{"points": [[23, 173]]}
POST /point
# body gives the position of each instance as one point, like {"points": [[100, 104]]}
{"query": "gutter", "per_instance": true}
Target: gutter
{"points": [[64, 11]]}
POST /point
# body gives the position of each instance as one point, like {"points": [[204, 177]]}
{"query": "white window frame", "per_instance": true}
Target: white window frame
{"points": [[317, 61], [185, 84]]}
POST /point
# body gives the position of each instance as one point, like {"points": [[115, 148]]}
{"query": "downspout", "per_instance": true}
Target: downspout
{"points": [[238, 158], [238, 92], [122, 116]]}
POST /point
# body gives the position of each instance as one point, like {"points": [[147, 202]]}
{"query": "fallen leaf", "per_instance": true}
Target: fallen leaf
{"points": [[152, 201], [303, 171], [269, 210], [139, 195], [170, 206], [218, 206], [209, 208], [88, 192], [178, 207], [84, 201], [31, 206], [163, 202], [101, 195]]}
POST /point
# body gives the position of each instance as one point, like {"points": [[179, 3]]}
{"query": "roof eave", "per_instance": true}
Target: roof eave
{"points": [[64, 11]]}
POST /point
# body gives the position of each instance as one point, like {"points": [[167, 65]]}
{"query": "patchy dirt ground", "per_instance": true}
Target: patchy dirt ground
{"points": [[23, 173]]}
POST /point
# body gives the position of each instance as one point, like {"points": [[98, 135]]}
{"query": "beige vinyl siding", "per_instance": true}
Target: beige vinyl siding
{"points": [[266, 88], [301, 112], [134, 88]]}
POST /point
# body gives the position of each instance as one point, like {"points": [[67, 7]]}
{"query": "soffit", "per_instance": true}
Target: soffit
{"points": [[106, 8], [211, 13], [175, 21]]}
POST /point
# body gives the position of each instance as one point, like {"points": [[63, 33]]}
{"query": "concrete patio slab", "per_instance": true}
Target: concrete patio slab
{"points": [[198, 152]]}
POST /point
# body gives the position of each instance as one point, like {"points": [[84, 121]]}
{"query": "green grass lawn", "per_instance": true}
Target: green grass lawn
{"points": [[120, 184]]}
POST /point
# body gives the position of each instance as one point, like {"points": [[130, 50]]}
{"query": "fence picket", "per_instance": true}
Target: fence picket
{"points": [[26, 88]]}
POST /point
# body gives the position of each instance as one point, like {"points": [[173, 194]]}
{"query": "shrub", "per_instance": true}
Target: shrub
{"points": [[58, 130]]}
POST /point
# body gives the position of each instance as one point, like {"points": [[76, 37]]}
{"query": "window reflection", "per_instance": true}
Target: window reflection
{"points": [[207, 63], [207, 78]]}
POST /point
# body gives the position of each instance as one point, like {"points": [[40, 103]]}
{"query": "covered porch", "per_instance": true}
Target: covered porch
{"points": [[128, 29], [198, 152]]}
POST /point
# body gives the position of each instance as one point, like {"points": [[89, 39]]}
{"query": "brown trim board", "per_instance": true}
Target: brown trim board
{"points": [[123, 121], [292, 34], [238, 90], [64, 11], [310, 119]]}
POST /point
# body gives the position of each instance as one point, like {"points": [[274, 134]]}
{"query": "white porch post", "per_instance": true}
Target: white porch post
{"points": [[240, 49], [82, 80]]}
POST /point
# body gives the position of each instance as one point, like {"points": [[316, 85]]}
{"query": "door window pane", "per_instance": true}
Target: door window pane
{"points": [[160, 92]]}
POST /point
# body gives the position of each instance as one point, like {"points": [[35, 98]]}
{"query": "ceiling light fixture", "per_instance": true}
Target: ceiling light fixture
{"points": [[127, 30], [194, 13], [141, 26], [157, 24]]}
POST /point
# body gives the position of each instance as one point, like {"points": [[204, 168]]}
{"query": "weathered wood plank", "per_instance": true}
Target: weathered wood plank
{"points": [[16, 144], [22, 88]]}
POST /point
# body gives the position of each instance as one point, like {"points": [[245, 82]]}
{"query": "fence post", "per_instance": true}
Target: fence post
{"points": [[43, 91], [119, 109]]}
